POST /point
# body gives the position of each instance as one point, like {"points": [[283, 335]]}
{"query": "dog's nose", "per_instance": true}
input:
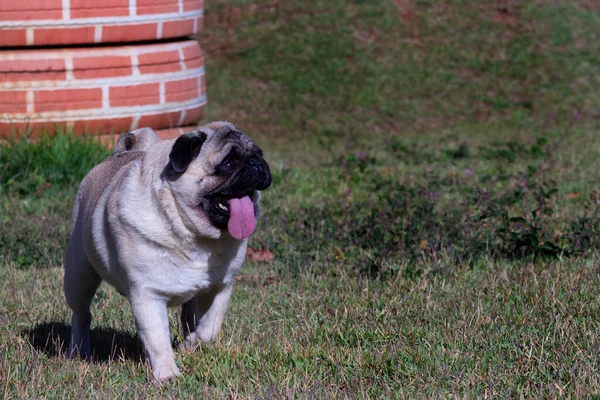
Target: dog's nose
{"points": [[262, 169], [254, 163]]}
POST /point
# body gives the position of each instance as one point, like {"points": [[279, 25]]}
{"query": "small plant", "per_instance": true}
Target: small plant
{"points": [[29, 167], [528, 233], [37, 182], [424, 216]]}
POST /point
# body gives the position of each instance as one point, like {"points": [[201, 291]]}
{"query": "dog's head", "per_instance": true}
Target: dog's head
{"points": [[215, 174]]}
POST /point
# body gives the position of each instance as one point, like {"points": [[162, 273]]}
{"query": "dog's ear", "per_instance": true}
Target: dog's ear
{"points": [[125, 143], [139, 140], [186, 149]]}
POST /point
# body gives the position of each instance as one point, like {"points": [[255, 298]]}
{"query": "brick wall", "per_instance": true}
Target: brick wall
{"points": [[106, 89], [35, 22]]}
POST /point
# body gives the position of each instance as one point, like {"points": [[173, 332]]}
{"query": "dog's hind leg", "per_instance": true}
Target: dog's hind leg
{"points": [[203, 315], [80, 283]]}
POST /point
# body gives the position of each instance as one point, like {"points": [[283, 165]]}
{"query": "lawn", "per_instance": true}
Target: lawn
{"points": [[433, 220]]}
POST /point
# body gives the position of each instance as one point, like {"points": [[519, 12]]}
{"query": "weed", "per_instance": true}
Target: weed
{"points": [[384, 216], [31, 167], [37, 183]]}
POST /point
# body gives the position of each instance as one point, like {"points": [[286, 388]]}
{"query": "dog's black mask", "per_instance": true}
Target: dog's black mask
{"points": [[245, 175]]}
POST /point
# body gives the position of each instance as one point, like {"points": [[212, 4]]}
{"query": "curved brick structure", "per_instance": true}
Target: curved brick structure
{"points": [[165, 134], [101, 90], [61, 22]]}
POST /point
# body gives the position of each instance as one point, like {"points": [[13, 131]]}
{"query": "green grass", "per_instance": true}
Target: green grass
{"points": [[434, 213], [507, 329]]}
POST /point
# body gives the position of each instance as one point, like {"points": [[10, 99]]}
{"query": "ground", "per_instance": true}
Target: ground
{"points": [[433, 219]]}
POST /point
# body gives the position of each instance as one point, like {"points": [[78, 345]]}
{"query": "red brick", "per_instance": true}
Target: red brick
{"points": [[178, 28], [158, 57], [101, 67], [134, 95], [182, 90], [129, 32], [160, 68], [30, 9], [30, 15], [32, 70], [13, 37], [192, 52], [34, 129], [193, 57], [159, 62], [41, 65], [192, 5], [194, 63], [172, 133], [30, 5], [167, 120], [101, 62], [109, 139], [105, 8], [156, 6], [8, 130], [102, 126], [67, 99], [102, 73], [199, 25], [63, 35], [12, 129], [13, 102], [193, 115], [99, 128], [29, 76]]}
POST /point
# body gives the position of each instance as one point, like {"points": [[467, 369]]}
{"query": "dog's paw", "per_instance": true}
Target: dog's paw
{"points": [[165, 373], [82, 351], [190, 342]]}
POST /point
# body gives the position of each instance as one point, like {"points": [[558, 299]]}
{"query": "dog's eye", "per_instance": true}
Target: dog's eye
{"points": [[227, 166]]}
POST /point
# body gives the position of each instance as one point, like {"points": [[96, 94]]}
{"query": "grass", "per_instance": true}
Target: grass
{"points": [[522, 329], [433, 215]]}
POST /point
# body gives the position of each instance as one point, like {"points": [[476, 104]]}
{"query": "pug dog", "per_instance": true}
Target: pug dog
{"points": [[166, 222]]}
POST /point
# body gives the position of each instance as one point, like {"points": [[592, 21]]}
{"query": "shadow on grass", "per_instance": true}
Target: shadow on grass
{"points": [[52, 339]]}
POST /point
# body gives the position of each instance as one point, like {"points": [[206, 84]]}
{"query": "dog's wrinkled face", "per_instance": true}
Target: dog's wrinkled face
{"points": [[215, 174]]}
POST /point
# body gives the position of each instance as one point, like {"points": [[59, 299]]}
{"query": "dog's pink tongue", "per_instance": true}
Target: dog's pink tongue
{"points": [[241, 218]]}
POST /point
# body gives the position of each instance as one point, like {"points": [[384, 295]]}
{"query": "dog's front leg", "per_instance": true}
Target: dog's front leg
{"points": [[203, 315], [152, 323]]}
